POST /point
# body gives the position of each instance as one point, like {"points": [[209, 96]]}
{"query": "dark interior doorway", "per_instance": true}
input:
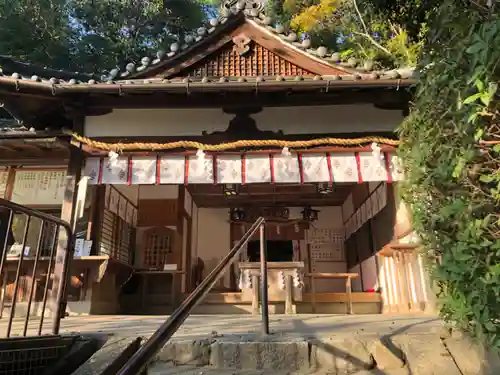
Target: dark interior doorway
{"points": [[277, 251]]}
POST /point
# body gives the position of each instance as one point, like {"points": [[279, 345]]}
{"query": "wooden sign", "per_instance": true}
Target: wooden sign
{"points": [[39, 187]]}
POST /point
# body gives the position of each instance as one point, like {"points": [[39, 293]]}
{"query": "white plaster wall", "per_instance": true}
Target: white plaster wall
{"points": [[292, 120], [130, 192], [369, 271], [356, 283], [158, 191], [347, 208], [329, 217], [213, 238]]}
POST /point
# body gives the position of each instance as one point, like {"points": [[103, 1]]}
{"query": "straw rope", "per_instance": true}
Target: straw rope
{"points": [[117, 147]]}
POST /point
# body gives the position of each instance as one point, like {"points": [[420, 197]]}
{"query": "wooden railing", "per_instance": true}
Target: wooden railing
{"points": [[347, 276]]}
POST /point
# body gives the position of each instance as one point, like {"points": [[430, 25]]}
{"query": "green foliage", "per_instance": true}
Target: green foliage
{"points": [[36, 30], [352, 27], [114, 31], [89, 35], [410, 14], [452, 184]]}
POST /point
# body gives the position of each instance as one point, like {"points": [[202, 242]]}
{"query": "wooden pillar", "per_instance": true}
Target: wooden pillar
{"points": [[289, 295], [65, 244], [180, 233], [414, 305], [348, 290], [403, 284], [384, 283], [255, 294], [393, 283], [313, 293], [11, 176]]}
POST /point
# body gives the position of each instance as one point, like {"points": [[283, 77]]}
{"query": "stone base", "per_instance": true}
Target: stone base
{"points": [[72, 309], [339, 356]]}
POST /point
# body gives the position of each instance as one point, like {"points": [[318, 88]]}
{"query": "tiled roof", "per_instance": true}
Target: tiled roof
{"points": [[250, 11]]}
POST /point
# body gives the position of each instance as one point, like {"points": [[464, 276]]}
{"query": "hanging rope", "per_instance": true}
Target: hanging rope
{"points": [[118, 147]]}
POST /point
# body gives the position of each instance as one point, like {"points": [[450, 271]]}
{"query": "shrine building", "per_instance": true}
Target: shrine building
{"points": [[161, 166]]}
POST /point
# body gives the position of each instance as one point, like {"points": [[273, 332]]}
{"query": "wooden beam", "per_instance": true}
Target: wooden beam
{"points": [[251, 97], [206, 203]]}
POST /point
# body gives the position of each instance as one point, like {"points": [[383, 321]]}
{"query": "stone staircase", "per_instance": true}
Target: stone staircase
{"points": [[405, 354]]}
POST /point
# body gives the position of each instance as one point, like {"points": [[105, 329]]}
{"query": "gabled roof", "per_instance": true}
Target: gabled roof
{"points": [[239, 48]]}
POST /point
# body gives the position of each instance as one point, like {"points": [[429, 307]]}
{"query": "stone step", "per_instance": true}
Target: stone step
{"points": [[406, 354], [169, 369]]}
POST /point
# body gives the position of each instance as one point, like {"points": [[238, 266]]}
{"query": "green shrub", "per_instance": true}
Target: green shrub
{"points": [[453, 184]]}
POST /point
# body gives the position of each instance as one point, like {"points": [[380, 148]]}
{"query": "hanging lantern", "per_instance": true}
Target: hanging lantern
{"points": [[308, 214], [230, 190], [325, 188], [236, 214]]}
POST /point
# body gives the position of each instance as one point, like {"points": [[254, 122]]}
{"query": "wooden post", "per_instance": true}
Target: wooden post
{"points": [[348, 290], [9, 188], [384, 283], [144, 283], [64, 253], [289, 295], [180, 236], [313, 294], [3, 290], [255, 294], [173, 300]]}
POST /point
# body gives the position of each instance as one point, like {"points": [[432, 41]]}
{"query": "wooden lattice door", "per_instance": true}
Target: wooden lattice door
{"points": [[159, 248]]}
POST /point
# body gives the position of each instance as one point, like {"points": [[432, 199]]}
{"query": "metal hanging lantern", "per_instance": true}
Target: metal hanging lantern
{"points": [[237, 214], [230, 190], [325, 188], [308, 214]]}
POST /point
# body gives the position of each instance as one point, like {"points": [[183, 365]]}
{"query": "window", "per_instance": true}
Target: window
{"points": [[18, 228], [157, 247]]}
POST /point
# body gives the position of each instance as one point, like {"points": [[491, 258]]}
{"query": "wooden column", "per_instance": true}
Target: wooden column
{"points": [[393, 284], [180, 231], [255, 294], [403, 284], [65, 245], [289, 295], [11, 176], [384, 283], [348, 290]]}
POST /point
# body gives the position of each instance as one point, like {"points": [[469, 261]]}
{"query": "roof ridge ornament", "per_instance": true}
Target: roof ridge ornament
{"points": [[251, 8]]}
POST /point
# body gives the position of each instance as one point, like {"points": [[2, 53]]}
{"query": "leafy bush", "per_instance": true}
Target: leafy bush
{"points": [[453, 177]]}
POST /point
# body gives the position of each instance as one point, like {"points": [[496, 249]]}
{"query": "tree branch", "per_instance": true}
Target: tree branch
{"points": [[366, 33]]}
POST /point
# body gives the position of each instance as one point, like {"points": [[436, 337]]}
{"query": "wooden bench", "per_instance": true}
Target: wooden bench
{"points": [[320, 275]]}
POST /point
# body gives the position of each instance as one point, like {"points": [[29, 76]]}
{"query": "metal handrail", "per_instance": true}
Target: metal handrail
{"points": [[139, 361], [31, 212], [59, 299]]}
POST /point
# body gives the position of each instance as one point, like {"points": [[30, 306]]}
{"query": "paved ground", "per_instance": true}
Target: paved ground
{"points": [[331, 343], [286, 326]]}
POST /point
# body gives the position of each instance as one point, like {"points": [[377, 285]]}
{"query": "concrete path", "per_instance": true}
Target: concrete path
{"points": [[328, 344], [286, 326]]}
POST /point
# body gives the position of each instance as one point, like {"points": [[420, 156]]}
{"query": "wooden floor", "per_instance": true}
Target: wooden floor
{"points": [[326, 303], [236, 297]]}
